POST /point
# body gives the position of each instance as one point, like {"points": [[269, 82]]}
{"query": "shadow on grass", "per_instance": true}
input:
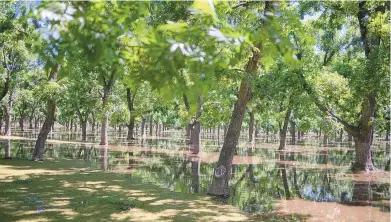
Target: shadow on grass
{"points": [[61, 191]]}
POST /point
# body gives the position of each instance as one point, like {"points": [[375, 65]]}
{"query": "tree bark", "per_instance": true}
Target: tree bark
{"points": [[105, 122], [195, 172], [9, 111], [284, 129], [221, 176], [151, 125], [142, 126], [195, 133], [83, 123], [130, 101], [251, 127], [325, 139], [105, 99], [93, 123], [341, 135], [293, 132], [49, 121]]}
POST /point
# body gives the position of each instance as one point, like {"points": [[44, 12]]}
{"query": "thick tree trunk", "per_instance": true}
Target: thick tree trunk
{"points": [[219, 186], [284, 129], [49, 121], [251, 127], [363, 159]]}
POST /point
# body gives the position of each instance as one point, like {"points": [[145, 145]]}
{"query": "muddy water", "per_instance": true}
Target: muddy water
{"points": [[306, 179]]}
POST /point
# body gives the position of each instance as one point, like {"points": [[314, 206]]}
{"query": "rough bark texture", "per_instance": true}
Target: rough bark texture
{"points": [[49, 121], [219, 186], [251, 127], [284, 129]]}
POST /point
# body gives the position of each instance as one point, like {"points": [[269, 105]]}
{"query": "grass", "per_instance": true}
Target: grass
{"points": [[65, 190]]}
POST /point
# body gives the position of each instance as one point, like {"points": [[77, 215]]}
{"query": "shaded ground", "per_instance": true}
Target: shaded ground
{"points": [[60, 191]]}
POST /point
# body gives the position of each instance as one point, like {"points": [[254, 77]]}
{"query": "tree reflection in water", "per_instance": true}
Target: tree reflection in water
{"points": [[257, 186]]}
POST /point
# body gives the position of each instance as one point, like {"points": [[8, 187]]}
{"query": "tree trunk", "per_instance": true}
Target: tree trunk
{"points": [[325, 139], [284, 177], [21, 124], [387, 133], [30, 122], [83, 123], [142, 126], [293, 132], [341, 135], [8, 113], [84, 130], [251, 127], [103, 157], [130, 101], [93, 124], [105, 122], [49, 121], [105, 119], [195, 172], [284, 129], [7, 149], [219, 186], [151, 125], [195, 133]]}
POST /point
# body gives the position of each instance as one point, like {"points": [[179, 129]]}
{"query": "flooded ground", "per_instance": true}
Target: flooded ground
{"points": [[310, 179]]}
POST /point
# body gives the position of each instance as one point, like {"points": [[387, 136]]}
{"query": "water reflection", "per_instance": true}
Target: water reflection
{"points": [[261, 178]]}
